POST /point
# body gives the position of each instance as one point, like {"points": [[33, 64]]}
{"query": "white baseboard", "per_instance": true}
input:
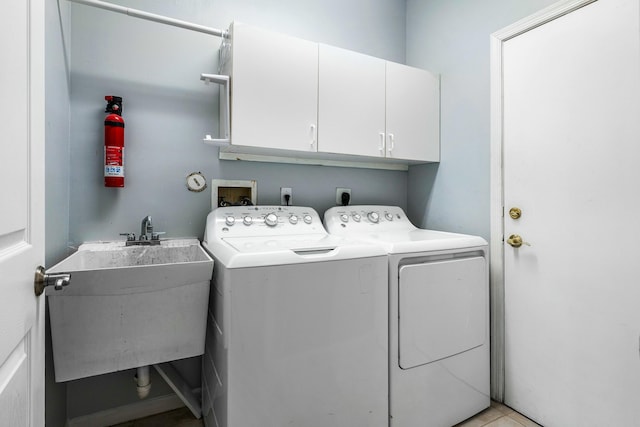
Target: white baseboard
{"points": [[132, 411]]}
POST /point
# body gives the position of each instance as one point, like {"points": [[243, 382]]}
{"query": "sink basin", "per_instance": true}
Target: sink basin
{"points": [[129, 306]]}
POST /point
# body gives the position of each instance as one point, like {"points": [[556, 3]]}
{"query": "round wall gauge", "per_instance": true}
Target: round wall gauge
{"points": [[196, 182]]}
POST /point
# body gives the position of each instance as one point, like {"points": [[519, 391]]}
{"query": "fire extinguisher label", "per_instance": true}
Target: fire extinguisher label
{"points": [[113, 161]]}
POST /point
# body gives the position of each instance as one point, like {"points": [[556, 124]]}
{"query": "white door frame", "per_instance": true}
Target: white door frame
{"points": [[497, 195]]}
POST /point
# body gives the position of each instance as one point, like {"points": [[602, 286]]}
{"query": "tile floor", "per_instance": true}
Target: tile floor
{"points": [[497, 415]]}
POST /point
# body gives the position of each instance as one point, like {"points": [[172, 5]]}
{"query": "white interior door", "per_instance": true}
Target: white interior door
{"points": [[22, 213], [571, 152]]}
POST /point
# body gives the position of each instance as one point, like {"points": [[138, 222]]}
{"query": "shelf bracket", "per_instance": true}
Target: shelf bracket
{"points": [[224, 108]]}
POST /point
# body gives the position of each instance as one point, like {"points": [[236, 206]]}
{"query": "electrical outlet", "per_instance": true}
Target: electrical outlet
{"points": [[286, 191], [339, 192]]}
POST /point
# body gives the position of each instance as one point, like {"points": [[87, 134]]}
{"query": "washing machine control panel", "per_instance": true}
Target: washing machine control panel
{"points": [[246, 221], [366, 218]]}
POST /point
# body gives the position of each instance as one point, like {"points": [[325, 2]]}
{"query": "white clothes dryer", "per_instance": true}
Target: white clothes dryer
{"points": [[297, 330], [438, 315]]}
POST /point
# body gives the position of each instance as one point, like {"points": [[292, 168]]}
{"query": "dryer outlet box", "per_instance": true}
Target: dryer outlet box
{"points": [[233, 192]]}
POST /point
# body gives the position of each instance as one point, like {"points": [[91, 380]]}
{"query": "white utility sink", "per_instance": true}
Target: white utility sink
{"points": [[129, 306]]}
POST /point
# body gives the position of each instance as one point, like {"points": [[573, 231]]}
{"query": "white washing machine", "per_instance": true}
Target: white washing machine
{"points": [[438, 315], [297, 330]]}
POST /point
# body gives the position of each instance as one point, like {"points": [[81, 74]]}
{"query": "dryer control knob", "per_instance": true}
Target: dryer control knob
{"points": [[373, 216], [230, 220], [388, 216], [356, 217], [344, 218], [293, 219], [247, 220], [307, 219], [271, 220]]}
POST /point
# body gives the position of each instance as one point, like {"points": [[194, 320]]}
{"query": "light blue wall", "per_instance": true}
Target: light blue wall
{"points": [[451, 37], [57, 99], [168, 110]]}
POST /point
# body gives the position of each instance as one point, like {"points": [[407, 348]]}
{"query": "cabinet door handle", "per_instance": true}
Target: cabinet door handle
{"points": [[381, 144], [312, 143], [391, 143]]}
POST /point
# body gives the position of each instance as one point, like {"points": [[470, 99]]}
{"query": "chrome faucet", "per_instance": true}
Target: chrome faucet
{"points": [[146, 228], [147, 235]]}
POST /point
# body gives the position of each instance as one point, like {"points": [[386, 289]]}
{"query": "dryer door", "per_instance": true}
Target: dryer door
{"points": [[442, 309]]}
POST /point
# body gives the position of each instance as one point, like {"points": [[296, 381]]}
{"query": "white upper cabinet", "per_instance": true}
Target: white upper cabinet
{"points": [[302, 97], [413, 114], [351, 108], [274, 89], [371, 107]]}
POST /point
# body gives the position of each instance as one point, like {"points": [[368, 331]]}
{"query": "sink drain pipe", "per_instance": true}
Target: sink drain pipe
{"points": [[175, 381], [143, 380]]}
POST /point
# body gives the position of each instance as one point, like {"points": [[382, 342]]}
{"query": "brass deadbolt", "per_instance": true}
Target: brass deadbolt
{"points": [[515, 213]]}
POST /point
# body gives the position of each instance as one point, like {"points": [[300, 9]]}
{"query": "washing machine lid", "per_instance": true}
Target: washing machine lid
{"points": [[297, 243], [246, 252]]}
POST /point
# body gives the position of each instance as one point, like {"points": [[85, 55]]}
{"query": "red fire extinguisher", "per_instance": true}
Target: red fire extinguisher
{"points": [[113, 143]]}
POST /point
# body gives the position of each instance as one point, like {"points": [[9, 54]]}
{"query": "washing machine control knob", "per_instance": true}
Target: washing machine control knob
{"points": [[344, 218], [307, 219], [247, 220], [293, 219], [373, 216], [388, 216], [356, 217], [271, 219], [230, 220]]}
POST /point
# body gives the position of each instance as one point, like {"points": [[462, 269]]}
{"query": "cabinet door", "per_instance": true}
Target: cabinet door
{"points": [[351, 110], [413, 113], [274, 90]]}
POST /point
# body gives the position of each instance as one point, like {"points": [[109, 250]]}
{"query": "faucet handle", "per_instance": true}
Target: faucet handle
{"points": [[156, 235], [130, 236]]}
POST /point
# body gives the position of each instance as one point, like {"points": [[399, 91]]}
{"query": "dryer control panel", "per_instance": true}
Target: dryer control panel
{"points": [[366, 218], [248, 221]]}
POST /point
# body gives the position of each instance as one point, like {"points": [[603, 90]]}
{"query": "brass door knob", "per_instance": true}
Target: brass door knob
{"points": [[515, 213], [515, 241]]}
